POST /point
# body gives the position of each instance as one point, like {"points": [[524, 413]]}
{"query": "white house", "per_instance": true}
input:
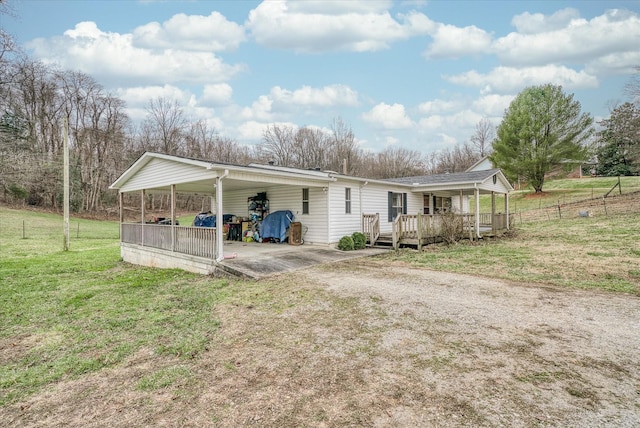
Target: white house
{"points": [[329, 205]]}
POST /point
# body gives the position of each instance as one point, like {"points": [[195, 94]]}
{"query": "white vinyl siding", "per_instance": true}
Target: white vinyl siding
{"points": [[162, 173], [286, 198], [375, 200]]}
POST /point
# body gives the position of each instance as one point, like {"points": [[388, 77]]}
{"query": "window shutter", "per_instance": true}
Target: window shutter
{"points": [[404, 203], [390, 206]]}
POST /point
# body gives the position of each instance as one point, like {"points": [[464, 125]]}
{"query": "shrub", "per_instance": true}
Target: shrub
{"points": [[345, 243], [451, 227], [359, 240]]}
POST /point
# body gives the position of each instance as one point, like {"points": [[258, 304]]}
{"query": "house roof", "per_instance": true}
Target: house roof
{"points": [[457, 180], [456, 177], [159, 171]]}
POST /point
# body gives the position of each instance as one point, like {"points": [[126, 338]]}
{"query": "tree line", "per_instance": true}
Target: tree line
{"points": [[542, 129], [36, 100]]}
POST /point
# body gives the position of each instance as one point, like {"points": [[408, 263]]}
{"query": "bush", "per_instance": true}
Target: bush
{"points": [[345, 243], [359, 240]]}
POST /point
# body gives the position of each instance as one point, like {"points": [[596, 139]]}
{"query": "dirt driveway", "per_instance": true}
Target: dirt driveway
{"points": [[379, 345], [483, 351]]}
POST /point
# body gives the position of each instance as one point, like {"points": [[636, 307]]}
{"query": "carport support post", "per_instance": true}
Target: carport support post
{"points": [[477, 198], [173, 217], [493, 212], [142, 196], [121, 201], [219, 254], [506, 207]]}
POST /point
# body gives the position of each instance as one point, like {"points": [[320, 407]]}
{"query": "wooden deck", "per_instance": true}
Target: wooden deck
{"points": [[424, 229]]}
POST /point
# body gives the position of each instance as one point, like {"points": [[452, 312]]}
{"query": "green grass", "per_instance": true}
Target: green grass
{"points": [[601, 253], [64, 314], [67, 314], [563, 191]]}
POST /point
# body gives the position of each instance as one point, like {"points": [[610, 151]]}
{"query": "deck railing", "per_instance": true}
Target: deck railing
{"points": [[421, 228], [371, 227], [194, 241]]}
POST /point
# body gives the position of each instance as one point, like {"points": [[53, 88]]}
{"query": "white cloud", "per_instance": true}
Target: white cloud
{"points": [[253, 131], [190, 32], [142, 95], [111, 57], [339, 7], [438, 106], [316, 26], [217, 94], [453, 42], [388, 116], [492, 105], [565, 38], [327, 96], [508, 80], [534, 23], [260, 110]]}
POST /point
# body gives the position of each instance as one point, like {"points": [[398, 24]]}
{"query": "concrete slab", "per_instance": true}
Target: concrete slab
{"points": [[254, 260]]}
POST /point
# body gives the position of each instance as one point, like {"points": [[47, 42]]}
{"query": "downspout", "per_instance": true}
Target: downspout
{"points": [[219, 217]]}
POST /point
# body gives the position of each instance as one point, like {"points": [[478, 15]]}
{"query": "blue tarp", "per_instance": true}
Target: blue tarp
{"points": [[275, 225], [209, 220]]}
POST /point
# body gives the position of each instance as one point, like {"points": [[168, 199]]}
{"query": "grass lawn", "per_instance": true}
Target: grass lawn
{"points": [[562, 191], [64, 315], [593, 252]]}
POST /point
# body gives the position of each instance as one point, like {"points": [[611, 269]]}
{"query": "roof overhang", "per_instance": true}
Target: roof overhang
{"points": [[200, 177]]}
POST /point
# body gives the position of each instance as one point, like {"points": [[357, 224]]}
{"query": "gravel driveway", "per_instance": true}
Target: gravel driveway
{"points": [[512, 354]]}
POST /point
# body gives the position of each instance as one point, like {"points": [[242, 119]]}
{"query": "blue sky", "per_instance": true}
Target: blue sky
{"points": [[412, 74]]}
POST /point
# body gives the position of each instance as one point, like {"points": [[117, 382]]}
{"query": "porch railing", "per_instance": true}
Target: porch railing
{"points": [[194, 241], [371, 227], [423, 227]]}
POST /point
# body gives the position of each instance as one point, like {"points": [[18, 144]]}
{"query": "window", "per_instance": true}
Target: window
{"points": [[397, 204], [305, 201], [347, 200], [441, 205]]}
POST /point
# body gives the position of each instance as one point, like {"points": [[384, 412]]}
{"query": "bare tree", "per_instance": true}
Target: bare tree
{"points": [[484, 135], [311, 148], [394, 162], [632, 88], [277, 144], [343, 149], [455, 159], [165, 126]]}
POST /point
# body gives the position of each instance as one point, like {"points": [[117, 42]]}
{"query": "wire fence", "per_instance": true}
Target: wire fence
{"points": [[573, 208], [78, 230]]}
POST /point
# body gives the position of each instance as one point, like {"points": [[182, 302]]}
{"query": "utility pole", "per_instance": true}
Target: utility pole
{"points": [[65, 150]]}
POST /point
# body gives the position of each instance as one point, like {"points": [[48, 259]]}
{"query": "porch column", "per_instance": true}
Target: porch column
{"points": [[143, 197], [173, 217], [121, 202], [219, 218], [477, 197], [493, 211], [506, 207], [461, 203]]}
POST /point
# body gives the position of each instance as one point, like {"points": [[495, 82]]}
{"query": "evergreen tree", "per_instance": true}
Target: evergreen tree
{"points": [[542, 129]]}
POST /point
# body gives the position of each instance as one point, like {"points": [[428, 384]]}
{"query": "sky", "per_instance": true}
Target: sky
{"points": [[414, 74]]}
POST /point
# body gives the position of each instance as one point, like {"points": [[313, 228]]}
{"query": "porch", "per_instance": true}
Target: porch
{"points": [[417, 230], [193, 249]]}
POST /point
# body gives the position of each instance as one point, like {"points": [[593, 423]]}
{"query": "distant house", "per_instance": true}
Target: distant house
{"points": [[328, 204], [483, 164]]}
